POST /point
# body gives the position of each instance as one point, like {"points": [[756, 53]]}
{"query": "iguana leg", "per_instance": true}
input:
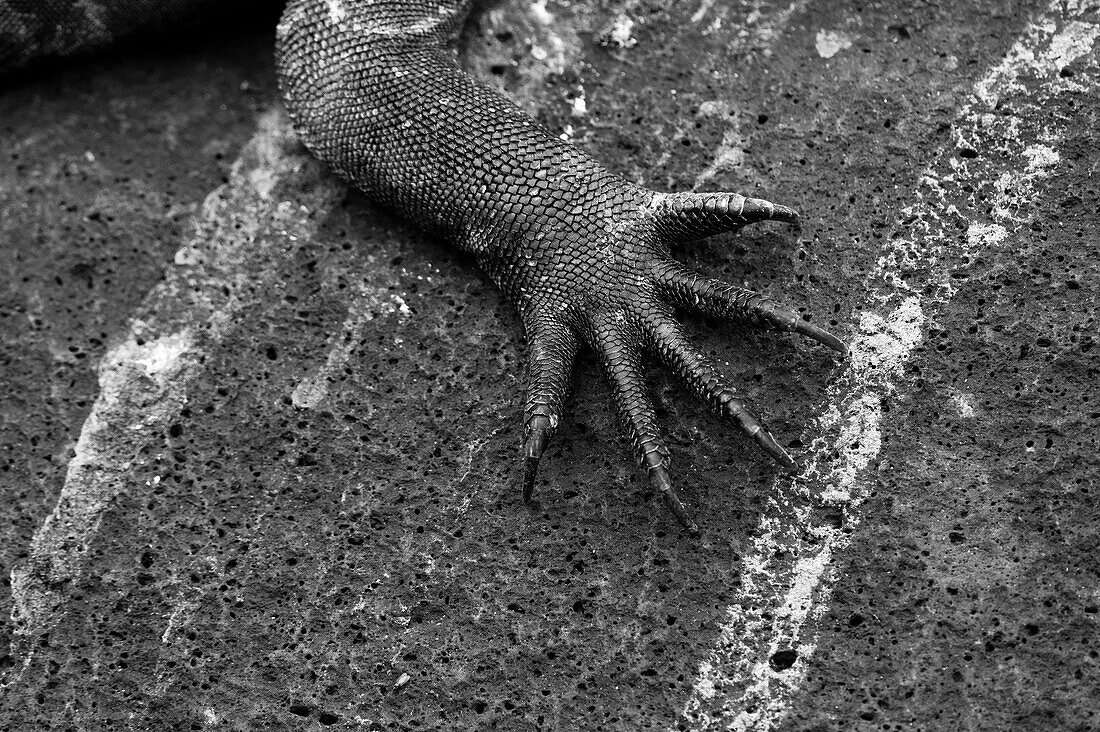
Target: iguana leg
{"points": [[583, 254]]}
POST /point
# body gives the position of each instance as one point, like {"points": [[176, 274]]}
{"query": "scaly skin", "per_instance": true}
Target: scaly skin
{"points": [[584, 255]]}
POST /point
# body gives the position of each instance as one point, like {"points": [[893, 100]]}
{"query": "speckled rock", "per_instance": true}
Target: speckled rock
{"points": [[259, 438]]}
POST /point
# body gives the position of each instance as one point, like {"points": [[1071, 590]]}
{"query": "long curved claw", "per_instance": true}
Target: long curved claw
{"points": [[553, 351], [708, 383], [713, 297], [757, 209], [621, 361], [686, 216], [658, 475], [537, 434], [769, 445], [783, 319]]}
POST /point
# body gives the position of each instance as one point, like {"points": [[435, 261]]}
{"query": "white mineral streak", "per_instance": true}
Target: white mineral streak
{"points": [[622, 33], [964, 403], [756, 36], [829, 43], [540, 13], [761, 28], [736, 687], [553, 46], [730, 155], [238, 240], [580, 105], [313, 389], [704, 8]]}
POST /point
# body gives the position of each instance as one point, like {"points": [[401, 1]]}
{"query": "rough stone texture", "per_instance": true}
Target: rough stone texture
{"points": [[336, 505]]}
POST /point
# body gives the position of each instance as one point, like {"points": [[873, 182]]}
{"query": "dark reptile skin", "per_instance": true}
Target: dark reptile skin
{"points": [[33, 30], [374, 91], [583, 254]]}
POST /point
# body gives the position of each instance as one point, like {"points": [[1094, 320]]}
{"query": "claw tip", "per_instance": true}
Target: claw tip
{"points": [[533, 447], [792, 466], [838, 345], [659, 476], [530, 469]]}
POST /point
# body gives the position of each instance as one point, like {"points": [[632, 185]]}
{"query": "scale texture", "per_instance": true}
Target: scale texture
{"points": [[260, 565], [583, 254]]}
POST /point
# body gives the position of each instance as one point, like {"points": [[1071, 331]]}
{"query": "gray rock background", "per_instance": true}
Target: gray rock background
{"points": [[259, 438]]}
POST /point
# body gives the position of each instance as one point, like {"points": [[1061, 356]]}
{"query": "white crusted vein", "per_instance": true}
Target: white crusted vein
{"points": [[737, 687], [234, 249]]}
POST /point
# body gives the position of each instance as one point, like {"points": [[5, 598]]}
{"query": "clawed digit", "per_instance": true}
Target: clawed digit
{"points": [[640, 316]]}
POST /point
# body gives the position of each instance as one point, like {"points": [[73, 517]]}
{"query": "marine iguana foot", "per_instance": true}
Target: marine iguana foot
{"points": [[638, 285], [582, 253]]}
